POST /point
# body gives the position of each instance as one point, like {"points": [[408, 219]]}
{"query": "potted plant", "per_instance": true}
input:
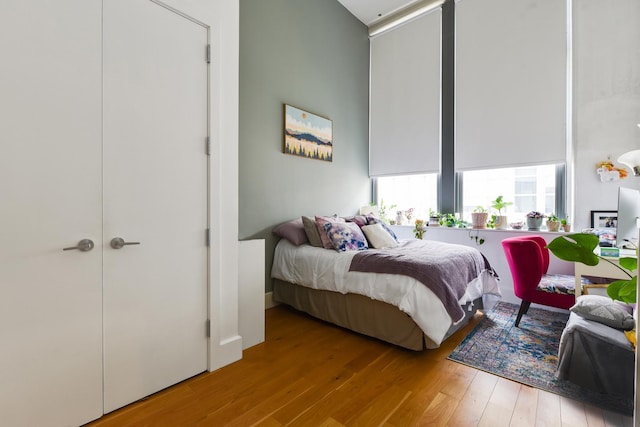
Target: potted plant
{"points": [[448, 220], [553, 223], [419, 229], [500, 220], [534, 220], [479, 217], [434, 218], [564, 222]]}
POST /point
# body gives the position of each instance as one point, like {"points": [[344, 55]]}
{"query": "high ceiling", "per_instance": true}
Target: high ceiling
{"points": [[370, 11]]}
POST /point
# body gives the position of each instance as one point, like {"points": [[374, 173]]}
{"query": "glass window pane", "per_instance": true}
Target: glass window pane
{"points": [[529, 188], [404, 192]]}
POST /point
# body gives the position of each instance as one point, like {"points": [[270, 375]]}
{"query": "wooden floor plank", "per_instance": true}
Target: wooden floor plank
{"points": [[501, 404], [572, 413], [524, 413], [548, 412], [473, 403]]}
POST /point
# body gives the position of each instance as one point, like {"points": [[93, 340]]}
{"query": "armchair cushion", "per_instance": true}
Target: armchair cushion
{"points": [[558, 284]]}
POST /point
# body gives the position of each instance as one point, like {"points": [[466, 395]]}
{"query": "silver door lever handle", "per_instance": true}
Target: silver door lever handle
{"points": [[84, 245], [119, 243]]}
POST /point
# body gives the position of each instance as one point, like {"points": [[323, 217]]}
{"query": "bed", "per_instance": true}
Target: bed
{"points": [[354, 290]]}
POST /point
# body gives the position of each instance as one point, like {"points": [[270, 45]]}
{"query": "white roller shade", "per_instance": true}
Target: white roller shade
{"points": [[511, 83], [405, 98]]}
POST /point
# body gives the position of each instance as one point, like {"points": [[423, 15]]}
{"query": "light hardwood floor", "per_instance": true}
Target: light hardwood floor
{"points": [[310, 373]]}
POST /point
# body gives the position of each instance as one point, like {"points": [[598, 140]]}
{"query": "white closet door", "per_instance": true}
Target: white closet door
{"points": [[50, 192], [155, 193]]}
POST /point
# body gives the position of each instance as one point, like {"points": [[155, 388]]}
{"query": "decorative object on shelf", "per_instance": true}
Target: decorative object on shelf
{"points": [[631, 159], [608, 172], [419, 229], [553, 223], [534, 220], [307, 135], [434, 218], [566, 226], [517, 225], [399, 218], [500, 220], [479, 217], [604, 219]]}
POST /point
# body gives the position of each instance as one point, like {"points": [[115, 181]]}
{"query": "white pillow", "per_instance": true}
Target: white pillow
{"points": [[605, 310], [378, 237]]}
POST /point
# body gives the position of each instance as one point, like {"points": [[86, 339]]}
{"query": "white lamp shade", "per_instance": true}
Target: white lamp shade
{"points": [[631, 160]]}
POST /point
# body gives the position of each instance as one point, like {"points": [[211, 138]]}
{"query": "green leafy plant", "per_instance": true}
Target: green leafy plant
{"points": [[476, 236], [580, 247], [450, 220], [552, 217], [499, 204], [563, 221], [491, 223], [479, 209]]}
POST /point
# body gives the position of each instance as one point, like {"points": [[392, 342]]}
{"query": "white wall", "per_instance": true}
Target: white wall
{"points": [[606, 101]]}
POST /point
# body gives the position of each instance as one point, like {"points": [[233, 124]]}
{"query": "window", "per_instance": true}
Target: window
{"points": [[419, 192], [529, 188]]}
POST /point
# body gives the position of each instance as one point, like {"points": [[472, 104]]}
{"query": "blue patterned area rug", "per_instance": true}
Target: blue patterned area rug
{"points": [[527, 354]]}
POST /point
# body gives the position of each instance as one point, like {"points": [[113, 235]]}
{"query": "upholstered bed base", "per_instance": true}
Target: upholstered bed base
{"points": [[362, 314]]}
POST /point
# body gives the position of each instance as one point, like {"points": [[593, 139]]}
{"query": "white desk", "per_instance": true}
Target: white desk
{"points": [[603, 269]]}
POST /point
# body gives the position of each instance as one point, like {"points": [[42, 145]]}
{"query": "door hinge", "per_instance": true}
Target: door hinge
{"points": [[208, 54], [207, 236], [208, 146], [208, 327]]}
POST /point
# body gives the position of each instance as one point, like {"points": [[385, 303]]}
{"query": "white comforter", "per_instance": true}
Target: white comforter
{"points": [[326, 269]]}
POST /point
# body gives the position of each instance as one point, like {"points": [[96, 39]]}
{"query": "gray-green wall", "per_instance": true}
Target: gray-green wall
{"points": [[314, 55]]}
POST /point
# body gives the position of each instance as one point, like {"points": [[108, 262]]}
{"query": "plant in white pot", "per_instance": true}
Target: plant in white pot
{"points": [[501, 220], [553, 223], [479, 217]]}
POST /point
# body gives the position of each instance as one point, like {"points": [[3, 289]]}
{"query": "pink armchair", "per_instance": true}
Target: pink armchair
{"points": [[528, 260]]}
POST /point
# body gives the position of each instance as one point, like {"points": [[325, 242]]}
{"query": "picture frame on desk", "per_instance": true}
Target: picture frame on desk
{"points": [[604, 219]]}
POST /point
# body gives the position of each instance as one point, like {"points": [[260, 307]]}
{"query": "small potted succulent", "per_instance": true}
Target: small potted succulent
{"points": [[534, 220], [553, 223], [564, 222]]}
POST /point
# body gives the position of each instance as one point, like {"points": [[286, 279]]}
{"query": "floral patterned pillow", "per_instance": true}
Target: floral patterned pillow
{"points": [[346, 236], [320, 223]]}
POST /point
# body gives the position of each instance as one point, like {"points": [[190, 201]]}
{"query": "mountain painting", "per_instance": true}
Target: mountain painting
{"points": [[307, 135]]}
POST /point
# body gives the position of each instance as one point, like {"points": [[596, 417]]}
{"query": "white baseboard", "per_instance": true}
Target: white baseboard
{"points": [[268, 301]]}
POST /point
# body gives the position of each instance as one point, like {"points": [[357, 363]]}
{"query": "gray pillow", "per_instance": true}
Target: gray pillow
{"points": [[311, 231], [605, 310]]}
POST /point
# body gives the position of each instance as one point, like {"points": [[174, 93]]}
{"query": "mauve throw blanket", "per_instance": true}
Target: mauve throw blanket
{"points": [[444, 268]]}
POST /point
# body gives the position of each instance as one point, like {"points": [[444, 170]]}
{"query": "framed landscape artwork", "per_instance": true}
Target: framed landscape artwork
{"points": [[604, 219], [307, 135]]}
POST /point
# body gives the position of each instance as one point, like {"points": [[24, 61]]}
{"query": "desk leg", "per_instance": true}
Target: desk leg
{"points": [[578, 284]]}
